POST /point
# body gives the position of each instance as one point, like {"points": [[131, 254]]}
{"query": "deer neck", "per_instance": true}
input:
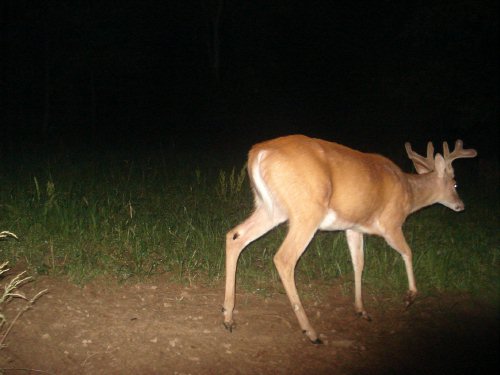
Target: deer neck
{"points": [[422, 190]]}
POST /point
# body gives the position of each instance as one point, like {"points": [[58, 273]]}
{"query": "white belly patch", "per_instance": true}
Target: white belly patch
{"points": [[331, 221]]}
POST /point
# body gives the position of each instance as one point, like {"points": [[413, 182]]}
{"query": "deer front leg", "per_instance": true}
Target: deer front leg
{"points": [[355, 242], [398, 242], [237, 239]]}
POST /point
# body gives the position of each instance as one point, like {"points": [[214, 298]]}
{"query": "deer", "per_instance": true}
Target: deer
{"points": [[314, 184]]}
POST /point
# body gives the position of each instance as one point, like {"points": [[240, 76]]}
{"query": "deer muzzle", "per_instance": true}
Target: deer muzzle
{"points": [[458, 206]]}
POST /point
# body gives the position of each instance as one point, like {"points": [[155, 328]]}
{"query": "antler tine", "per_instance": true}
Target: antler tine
{"points": [[446, 150], [422, 164], [458, 152], [430, 152]]}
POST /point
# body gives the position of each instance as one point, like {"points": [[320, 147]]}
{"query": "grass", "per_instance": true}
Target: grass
{"points": [[125, 217], [11, 291]]}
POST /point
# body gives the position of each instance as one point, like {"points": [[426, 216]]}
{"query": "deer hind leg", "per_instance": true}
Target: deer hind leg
{"points": [[296, 241], [397, 241], [255, 226], [355, 242]]}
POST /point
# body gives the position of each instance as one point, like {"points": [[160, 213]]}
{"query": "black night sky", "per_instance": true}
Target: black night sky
{"points": [[221, 75]]}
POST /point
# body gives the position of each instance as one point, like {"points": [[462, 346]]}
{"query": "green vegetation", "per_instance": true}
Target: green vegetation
{"points": [[137, 217]]}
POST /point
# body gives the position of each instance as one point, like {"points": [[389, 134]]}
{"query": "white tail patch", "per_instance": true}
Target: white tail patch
{"points": [[260, 185]]}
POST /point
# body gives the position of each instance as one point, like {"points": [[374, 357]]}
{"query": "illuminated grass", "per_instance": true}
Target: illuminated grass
{"points": [[129, 218]]}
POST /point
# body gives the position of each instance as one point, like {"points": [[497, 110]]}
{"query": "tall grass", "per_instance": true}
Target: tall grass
{"points": [[137, 217]]}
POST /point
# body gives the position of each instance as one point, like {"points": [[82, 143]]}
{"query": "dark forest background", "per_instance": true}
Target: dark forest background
{"points": [[221, 75]]}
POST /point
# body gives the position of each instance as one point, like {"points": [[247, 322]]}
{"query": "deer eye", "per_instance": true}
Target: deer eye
{"points": [[455, 185]]}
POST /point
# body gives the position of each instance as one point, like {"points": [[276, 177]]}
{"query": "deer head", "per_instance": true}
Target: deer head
{"points": [[445, 191]]}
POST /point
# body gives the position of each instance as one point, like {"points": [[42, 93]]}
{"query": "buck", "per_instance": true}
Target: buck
{"points": [[318, 185]]}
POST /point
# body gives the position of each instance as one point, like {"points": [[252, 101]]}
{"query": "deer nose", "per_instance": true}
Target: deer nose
{"points": [[459, 207]]}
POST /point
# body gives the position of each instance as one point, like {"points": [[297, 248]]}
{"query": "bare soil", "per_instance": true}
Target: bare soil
{"points": [[159, 327]]}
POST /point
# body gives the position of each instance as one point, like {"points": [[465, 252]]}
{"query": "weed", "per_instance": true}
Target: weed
{"points": [[10, 291], [144, 216]]}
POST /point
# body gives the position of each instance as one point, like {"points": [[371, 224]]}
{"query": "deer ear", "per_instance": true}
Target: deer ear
{"points": [[420, 167], [439, 165]]}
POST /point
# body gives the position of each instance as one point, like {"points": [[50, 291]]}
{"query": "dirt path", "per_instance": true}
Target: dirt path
{"points": [[157, 327]]}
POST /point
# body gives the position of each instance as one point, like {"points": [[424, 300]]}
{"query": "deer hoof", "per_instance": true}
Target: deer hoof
{"points": [[410, 298], [316, 341], [363, 314], [229, 326]]}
